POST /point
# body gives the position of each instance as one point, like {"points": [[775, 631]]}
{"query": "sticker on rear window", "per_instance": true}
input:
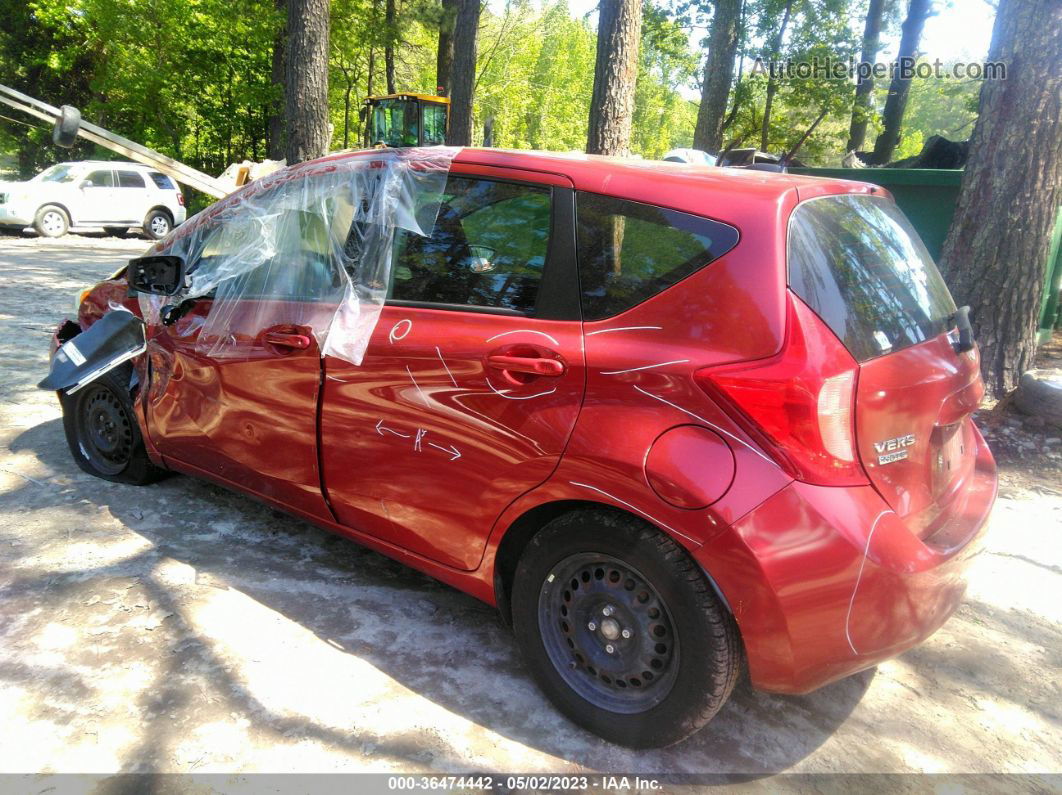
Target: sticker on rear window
{"points": [[76, 356]]}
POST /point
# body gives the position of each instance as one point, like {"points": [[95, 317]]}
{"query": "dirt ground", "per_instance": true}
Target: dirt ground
{"points": [[179, 627]]}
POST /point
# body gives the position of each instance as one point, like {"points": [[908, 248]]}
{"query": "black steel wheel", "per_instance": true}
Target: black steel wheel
{"points": [[102, 431], [608, 633], [622, 630], [105, 430]]}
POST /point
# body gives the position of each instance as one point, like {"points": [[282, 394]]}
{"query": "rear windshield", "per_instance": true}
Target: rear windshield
{"points": [[858, 262]]}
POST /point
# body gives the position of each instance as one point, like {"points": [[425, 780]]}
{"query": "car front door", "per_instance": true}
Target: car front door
{"points": [[95, 197], [235, 380], [473, 377]]}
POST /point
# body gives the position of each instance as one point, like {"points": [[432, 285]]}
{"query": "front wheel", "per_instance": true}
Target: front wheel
{"points": [[51, 221], [102, 432], [622, 630]]}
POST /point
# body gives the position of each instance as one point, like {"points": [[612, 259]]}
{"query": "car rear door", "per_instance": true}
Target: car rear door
{"points": [[131, 196], [858, 263], [473, 378]]}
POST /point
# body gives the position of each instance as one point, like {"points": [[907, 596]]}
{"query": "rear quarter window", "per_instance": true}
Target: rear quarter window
{"points": [[860, 265], [629, 251], [162, 182]]}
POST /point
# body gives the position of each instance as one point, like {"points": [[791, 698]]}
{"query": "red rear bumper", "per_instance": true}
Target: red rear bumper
{"points": [[825, 581]]}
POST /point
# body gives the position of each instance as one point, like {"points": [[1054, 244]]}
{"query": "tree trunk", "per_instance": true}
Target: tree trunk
{"points": [[389, 45], [463, 73], [995, 253], [615, 74], [275, 124], [772, 82], [864, 94], [306, 99], [718, 74], [444, 59], [896, 103]]}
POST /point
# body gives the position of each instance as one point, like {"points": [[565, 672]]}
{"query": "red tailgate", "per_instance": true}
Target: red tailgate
{"points": [[914, 433]]}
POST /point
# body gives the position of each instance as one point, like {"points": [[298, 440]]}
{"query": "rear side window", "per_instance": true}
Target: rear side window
{"points": [[860, 265], [629, 252], [161, 181], [130, 179]]}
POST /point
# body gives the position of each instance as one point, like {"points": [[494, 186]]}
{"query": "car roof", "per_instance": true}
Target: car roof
{"points": [[722, 193], [108, 163]]}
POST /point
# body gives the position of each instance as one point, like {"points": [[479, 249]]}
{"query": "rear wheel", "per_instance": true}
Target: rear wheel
{"points": [[157, 224], [622, 630], [51, 221], [102, 431]]}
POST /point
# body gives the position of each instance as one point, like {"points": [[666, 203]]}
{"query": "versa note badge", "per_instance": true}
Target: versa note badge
{"points": [[892, 450]]}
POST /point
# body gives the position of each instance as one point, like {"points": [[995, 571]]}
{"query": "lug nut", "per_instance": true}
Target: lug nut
{"points": [[591, 626], [607, 611], [626, 633], [610, 648]]}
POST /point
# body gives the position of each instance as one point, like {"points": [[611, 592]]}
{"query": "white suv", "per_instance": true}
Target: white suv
{"points": [[92, 194]]}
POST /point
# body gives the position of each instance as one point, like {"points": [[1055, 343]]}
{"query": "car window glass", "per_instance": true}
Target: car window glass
{"points": [[488, 248], [101, 179], [860, 265], [130, 179], [629, 251], [434, 124], [161, 181]]}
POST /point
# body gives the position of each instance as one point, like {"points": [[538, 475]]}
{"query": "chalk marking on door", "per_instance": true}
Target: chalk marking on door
{"points": [[524, 331], [421, 391], [393, 334], [441, 359], [452, 451], [380, 429], [519, 397]]}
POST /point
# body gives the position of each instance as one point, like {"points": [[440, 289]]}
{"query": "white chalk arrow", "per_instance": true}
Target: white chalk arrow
{"points": [[380, 429], [452, 451]]}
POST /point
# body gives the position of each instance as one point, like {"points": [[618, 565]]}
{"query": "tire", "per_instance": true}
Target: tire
{"points": [[158, 224], [102, 431], [681, 659], [51, 221], [116, 231]]}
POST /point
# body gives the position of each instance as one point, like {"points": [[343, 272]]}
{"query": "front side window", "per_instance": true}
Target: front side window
{"points": [[130, 179], [101, 179], [629, 251], [488, 248], [394, 123], [860, 265]]}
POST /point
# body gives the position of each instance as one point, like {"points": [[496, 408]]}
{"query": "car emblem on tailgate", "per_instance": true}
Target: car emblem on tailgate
{"points": [[892, 450]]}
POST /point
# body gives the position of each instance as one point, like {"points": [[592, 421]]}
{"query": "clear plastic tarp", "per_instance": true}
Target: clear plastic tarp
{"points": [[305, 250]]}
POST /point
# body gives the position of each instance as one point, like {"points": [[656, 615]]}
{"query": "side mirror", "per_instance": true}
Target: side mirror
{"points": [[86, 184], [156, 275]]}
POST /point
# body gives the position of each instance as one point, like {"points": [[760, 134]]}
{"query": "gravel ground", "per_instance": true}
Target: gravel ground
{"points": [[179, 628]]}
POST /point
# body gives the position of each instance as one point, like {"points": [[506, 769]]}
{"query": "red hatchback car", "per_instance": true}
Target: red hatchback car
{"points": [[673, 421]]}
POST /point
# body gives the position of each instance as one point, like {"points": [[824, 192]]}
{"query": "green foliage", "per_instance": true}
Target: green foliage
{"points": [[192, 78]]}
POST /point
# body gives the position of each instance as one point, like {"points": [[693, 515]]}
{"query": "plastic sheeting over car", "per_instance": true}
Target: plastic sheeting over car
{"points": [[306, 249]]}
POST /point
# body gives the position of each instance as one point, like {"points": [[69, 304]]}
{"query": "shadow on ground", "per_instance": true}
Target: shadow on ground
{"points": [[444, 646]]}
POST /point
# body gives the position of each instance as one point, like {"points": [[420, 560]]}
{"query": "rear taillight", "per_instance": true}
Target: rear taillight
{"points": [[800, 404], [180, 198]]}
